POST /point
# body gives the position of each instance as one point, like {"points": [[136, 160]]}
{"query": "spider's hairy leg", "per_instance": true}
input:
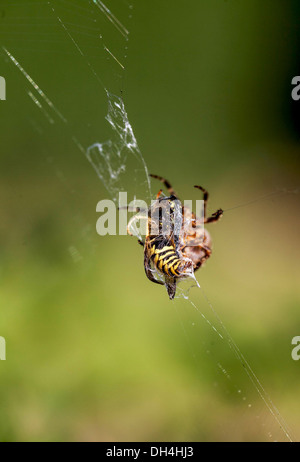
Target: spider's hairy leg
{"points": [[205, 197], [214, 217], [159, 194], [166, 184]]}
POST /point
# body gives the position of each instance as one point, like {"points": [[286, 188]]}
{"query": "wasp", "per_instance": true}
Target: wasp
{"points": [[171, 249]]}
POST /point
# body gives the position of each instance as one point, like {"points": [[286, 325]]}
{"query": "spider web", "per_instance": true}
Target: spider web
{"points": [[85, 29]]}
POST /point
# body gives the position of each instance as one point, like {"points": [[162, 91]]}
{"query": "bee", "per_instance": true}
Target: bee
{"points": [[171, 249]]}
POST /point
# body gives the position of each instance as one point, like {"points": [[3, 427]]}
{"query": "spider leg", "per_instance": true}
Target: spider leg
{"points": [[166, 184], [205, 198], [214, 217], [159, 194]]}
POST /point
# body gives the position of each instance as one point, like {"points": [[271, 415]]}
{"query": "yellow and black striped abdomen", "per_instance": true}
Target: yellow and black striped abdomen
{"points": [[166, 260]]}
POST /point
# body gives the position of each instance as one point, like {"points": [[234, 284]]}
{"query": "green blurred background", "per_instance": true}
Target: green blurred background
{"points": [[95, 352]]}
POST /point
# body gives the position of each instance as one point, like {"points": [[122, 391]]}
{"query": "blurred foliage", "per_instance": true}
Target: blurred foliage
{"points": [[94, 350]]}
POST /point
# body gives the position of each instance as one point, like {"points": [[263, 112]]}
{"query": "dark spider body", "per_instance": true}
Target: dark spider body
{"points": [[169, 248]]}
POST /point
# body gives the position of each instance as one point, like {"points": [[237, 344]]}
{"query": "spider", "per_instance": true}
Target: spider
{"points": [[174, 255]]}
